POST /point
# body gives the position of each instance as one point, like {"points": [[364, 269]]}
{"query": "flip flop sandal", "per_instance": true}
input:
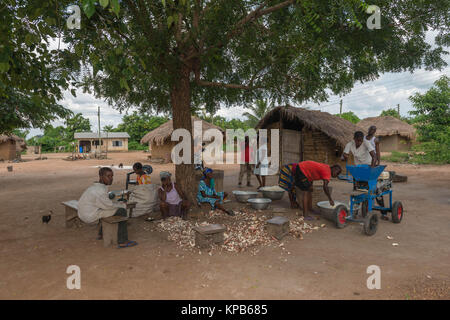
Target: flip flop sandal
{"points": [[309, 218], [150, 219], [384, 217], [127, 244]]}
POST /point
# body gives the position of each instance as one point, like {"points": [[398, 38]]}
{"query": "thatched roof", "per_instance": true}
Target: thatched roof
{"points": [[388, 126], [161, 134], [20, 143], [338, 129]]}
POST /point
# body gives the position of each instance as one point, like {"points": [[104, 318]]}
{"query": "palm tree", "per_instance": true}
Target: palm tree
{"points": [[258, 111]]}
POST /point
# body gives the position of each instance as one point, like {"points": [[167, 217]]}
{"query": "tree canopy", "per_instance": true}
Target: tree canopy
{"points": [[350, 116], [432, 120]]}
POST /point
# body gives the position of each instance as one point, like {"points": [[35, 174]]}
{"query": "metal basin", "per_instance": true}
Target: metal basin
{"points": [[272, 194], [243, 196], [327, 211], [259, 203]]}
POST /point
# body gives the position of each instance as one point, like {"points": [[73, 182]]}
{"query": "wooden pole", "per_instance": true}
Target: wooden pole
{"points": [[340, 108]]}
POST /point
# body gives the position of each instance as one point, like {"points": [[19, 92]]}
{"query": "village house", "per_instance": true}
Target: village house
{"points": [[108, 141]]}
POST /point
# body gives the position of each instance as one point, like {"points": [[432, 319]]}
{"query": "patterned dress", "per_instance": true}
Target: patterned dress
{"points": [[209, 191], [144, 179], [286, 180]]}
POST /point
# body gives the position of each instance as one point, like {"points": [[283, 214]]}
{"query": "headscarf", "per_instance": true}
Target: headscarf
{"points": [[206, 171], [165, 174]]}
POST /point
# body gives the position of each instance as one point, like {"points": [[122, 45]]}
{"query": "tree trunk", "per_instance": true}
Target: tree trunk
{"points": [[180, 96]]}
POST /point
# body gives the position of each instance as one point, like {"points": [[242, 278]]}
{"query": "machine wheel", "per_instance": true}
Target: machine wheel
{"points": [[397, 212], [340, 213], [371, 224]]}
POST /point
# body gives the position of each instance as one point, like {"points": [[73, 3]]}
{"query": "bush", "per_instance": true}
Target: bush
{"points": [[134, 145], [396, 157]]}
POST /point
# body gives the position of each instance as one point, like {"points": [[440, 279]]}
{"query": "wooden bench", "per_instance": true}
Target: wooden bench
{"points": [[110, 227], [206, 235], [71, 213]]}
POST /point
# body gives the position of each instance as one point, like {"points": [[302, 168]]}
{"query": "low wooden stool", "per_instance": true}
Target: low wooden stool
{"points": [[109, 228], [278, 227], [206, 235]]}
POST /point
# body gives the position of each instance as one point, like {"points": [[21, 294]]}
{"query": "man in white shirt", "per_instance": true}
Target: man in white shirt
{"points": [[374, 141], [362, 150], [95, 204]]}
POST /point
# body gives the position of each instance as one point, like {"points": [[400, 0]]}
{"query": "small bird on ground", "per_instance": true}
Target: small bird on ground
{"points": [[46, 219], [121, 165]]}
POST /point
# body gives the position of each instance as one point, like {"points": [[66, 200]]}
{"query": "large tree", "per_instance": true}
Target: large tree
{"points": [[174, 54], [432, 120]]}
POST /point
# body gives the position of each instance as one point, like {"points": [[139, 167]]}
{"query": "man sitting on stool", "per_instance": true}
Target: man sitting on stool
{"points": [[95, 204]]}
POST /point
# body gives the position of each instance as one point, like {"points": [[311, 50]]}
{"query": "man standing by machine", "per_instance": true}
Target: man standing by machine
{"points": [[374, 141], [362, 150]]}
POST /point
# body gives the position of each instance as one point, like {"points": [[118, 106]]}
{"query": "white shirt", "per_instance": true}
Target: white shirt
{"points": [[361, 154], [372, 142], [93, 200]]}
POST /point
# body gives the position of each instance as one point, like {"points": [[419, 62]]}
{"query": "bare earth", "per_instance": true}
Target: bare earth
{"points": [[327, 264]]}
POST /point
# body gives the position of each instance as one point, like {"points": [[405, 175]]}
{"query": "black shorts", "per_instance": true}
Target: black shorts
{"points": [[300, 180]]}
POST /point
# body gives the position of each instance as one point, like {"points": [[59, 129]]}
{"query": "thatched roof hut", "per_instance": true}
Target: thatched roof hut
{"points": [[162, 134], [159, 141], [308, 134], [396, 135], [11, 146], [388, 126]]}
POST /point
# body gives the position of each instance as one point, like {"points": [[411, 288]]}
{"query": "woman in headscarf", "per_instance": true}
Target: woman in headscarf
{"points": [[208, 194]]}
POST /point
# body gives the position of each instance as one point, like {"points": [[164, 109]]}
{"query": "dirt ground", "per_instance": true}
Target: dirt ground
{"points": [[327, 264]]}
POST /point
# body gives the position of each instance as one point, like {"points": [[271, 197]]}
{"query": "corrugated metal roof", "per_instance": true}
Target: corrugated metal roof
{"points": [[103, 135]]}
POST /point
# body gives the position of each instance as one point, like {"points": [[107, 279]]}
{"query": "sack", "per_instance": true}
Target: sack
{"points": [[300, 180], [146, 198]]}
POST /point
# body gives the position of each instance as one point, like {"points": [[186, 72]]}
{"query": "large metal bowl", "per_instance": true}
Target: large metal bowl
{"points": [[259, 203], [243, 196], [272, 194], [327, 211]]}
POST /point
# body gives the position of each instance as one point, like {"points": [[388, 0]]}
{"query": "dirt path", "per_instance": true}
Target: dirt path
{"points": [[328, 263]]}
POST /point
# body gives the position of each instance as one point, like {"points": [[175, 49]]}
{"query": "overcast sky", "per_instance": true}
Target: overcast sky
{"points": [[365, 100]]}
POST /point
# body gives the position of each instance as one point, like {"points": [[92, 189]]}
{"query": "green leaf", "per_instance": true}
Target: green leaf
{"points": [[164, 3], [89, 7], [124, 84], [115, 6], [169, 21], [104, 3], [73, 92], [4, 67]]}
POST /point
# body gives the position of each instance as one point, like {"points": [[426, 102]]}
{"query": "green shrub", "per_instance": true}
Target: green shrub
{"points": [[396, 157]]}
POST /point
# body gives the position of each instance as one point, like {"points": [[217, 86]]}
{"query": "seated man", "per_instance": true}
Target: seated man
{"points": [[142, 177], [308, 171], [362, 150], [95, 204], [173, 201]]}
